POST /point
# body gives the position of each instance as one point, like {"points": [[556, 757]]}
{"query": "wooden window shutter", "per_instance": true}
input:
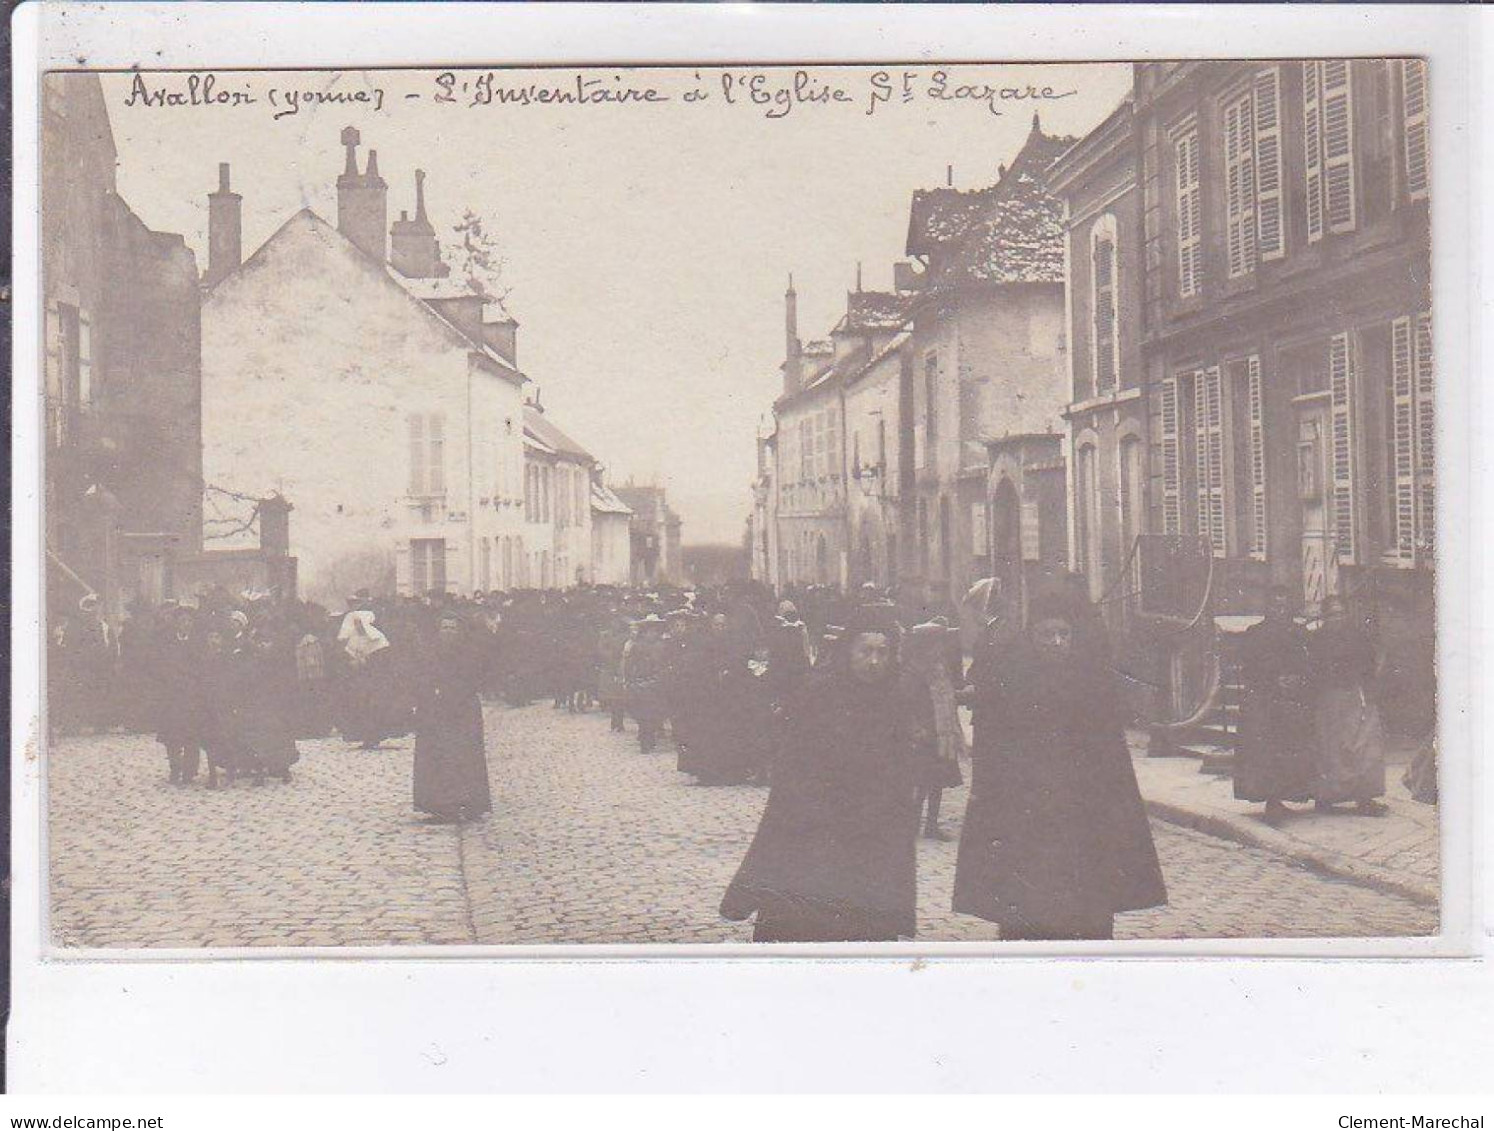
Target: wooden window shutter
{"points": [[1255, 395], [1208, 451], [1312, 138], [417, 454], [435, 446], [85, 359], [1338, 145], [1172, 467], [1414, 125], [1189, 220], [1104, 315], [1342, 392], [1402, 548], [1426, 440], [1270, 237], [1239, 185]]}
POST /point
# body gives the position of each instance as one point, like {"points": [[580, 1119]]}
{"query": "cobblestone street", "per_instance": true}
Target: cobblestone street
{"points": [[589, 842]]}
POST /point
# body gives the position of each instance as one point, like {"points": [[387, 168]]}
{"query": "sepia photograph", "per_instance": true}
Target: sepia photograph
{"points": [[687, 506]]}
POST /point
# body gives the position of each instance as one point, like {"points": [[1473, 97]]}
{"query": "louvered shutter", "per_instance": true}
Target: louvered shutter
{"points": [[1255, 395], [435, 443], [417, 454], [1189, 214], [1105, 320], [1338, 145], [1208, 449], [1270, 238], [1426, 440], [1172, 465], [1239, 185], [1342, 391], [1312, 144], [85, 359], [1414, 125], [1402, 444]]}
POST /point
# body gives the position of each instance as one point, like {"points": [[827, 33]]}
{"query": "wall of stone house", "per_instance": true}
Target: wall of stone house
{"points": [[610, 548], [1012, 348], [313, 362], [147, 380]]}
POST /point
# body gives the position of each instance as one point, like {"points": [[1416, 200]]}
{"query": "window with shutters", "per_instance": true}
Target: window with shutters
{"points": [[806, 451], [1255, 402], [1172, 459], [1412, 443], [1239, 184], [882, 447], [85, 359], [1328, 138], [832, 445], [1426, 441], [1106, 327], [1209, 459], [1189, 212], [1414, 127], [1270, 231], [487, 564], [427, 455], [1342, 392], [428, 565]]}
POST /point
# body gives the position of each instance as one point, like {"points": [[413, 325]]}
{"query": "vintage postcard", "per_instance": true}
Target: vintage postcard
{"points": [[712, 505]]}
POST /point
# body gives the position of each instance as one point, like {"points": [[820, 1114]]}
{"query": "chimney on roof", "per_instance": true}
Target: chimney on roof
{"points": [[362, 201], [413, 249], [792, 374], [858, 276], [904, 278], [1037, 125], [225, 229], [949, 176]]}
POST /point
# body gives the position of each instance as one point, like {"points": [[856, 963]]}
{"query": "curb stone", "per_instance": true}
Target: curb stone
{"points": [[1323, 861]]}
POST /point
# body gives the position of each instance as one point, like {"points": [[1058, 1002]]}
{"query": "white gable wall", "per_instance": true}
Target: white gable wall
{"points": [[314, 360]]}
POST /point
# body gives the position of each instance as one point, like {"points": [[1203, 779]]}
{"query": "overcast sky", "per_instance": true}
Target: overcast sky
{"points": [[647, 245]]}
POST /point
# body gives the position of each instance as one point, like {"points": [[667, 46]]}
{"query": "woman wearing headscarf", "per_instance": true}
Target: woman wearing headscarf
{"points": [[834, 857], [451, 763], [371, 710], [1055, 840]]}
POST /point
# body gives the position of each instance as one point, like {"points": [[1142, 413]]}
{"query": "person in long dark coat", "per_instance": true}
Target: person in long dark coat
{"points": [[1055, 840], [1274, 760], [834, 857], [645, 670], [1350, 734], [177, 696], [267, 705], [224, 672], [451, 762], [373, 705]]}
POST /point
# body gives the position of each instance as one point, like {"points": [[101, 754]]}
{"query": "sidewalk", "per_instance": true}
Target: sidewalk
{"points": [[1397, 853]]}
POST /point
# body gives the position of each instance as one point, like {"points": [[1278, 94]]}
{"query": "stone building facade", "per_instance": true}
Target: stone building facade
{"points": [[1281, 347], [121, 373]]}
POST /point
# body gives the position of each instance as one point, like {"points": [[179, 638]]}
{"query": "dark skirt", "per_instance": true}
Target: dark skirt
{"points": [[451, 765]]}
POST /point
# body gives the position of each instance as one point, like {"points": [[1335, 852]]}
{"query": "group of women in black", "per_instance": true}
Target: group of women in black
{"points": [[1055, 841]]}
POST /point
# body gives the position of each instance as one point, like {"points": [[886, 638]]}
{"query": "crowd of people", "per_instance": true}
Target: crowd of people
{"points": [[846, 706]]}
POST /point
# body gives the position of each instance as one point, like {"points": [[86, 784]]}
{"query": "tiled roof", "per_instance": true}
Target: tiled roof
{"points": [[1012, 231], [941, 215], [537, 427], [820, 347], [874, 310], [605, 501]]}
